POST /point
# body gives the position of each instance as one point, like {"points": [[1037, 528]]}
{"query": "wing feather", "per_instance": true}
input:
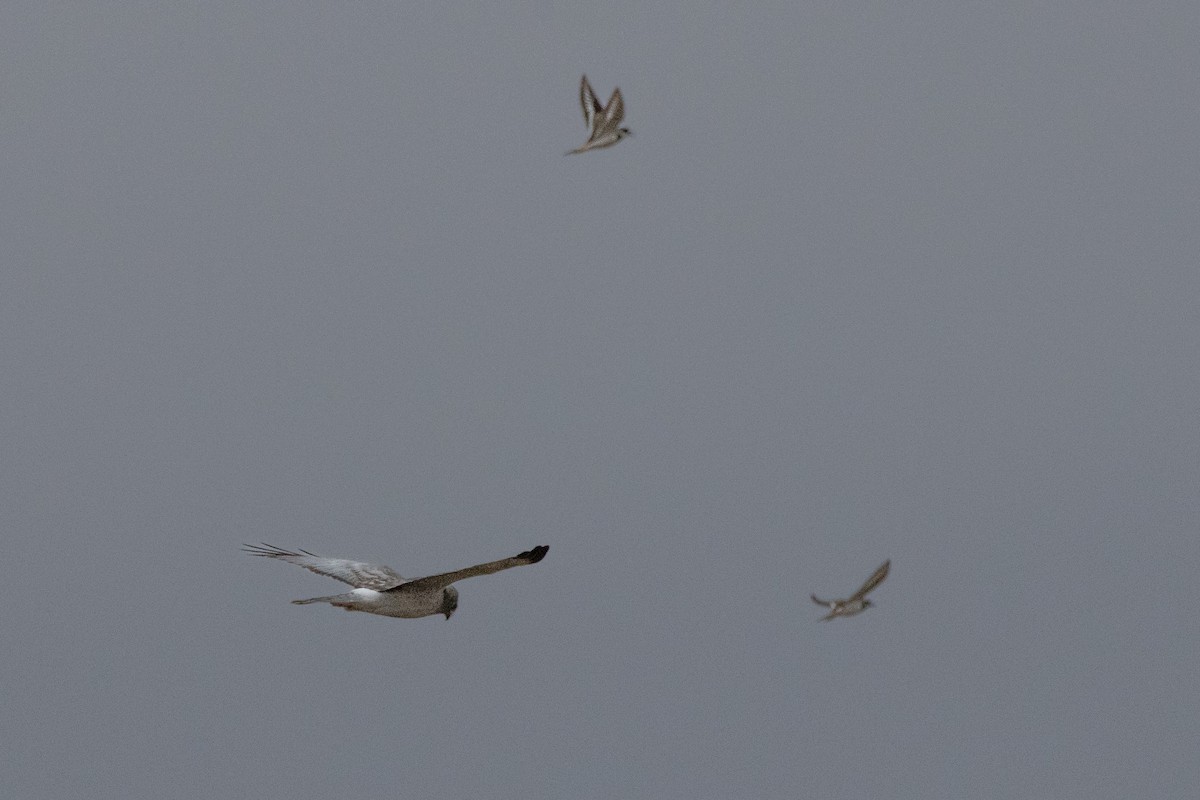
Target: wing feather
{"points": [[358, 574]]}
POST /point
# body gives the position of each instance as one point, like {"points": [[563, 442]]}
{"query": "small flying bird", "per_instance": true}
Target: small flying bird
{"points": [[857, 602], [602, 121], [380, 590]]}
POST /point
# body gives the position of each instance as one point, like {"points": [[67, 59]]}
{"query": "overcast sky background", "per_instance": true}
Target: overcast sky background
{"points": [[915, 281]]}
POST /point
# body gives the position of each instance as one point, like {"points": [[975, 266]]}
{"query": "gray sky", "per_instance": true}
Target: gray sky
{"points": [[912, 280]]}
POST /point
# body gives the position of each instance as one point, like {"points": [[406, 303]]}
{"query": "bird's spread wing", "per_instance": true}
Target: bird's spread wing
{"points": [[614, 112], [873, 581], [445, 579], [587, 99], [358, 574], [819, 601]]}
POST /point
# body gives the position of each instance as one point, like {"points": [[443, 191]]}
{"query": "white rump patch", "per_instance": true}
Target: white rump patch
{"points": [[366, 595]]}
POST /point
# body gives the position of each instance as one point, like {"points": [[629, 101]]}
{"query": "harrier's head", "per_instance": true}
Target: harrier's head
{"points": [[449, 601]]}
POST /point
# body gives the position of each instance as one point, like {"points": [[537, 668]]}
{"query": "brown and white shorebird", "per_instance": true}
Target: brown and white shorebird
{"points": [[857, 602], [603, 122], [380, 590]]}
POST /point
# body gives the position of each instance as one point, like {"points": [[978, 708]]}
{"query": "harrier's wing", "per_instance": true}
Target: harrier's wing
{"points": [[614, 112], [819, 601], [873, 581], [591, 106], [445, 579], [356, 573]]}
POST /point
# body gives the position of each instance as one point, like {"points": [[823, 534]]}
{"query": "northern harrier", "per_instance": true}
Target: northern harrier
{"points": [[379, 590], [857, 602], [602, 121]]}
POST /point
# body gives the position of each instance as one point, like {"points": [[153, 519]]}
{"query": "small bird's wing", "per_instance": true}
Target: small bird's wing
{"points": [[591, 106], [358, 574], [820, 602], [873, 581], [445, 579], [614, 112]]}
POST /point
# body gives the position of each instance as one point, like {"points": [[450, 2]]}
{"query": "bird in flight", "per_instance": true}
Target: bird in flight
{"points": [[380, 590], [857, 602], [602, 121]]}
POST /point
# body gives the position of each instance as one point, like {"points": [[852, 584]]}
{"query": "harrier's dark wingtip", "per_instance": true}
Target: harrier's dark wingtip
{"points": [[263, 550], [535, 555], [272, 551]]}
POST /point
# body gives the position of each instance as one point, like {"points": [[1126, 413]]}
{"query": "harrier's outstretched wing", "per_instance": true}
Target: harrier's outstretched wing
{"points": [[445, 579], [358, 574], [591, 106], [819, 601], [614, 112], [873, 581]]}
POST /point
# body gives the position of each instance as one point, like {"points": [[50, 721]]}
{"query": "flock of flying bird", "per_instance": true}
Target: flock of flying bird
{"points": [[381, 590]]}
